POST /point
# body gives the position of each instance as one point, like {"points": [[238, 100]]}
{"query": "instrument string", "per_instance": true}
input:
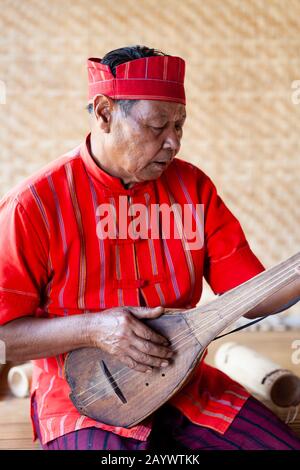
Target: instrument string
{"points": [[190, 338], [186, 336], [199, 329], [189, 334], [121, 380]]}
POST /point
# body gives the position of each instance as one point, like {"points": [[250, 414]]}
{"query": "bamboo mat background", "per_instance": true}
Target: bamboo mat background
{"points": [[241, 59]]}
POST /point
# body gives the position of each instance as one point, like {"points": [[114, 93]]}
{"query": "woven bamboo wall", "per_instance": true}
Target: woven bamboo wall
{"points": [[242, 57]]}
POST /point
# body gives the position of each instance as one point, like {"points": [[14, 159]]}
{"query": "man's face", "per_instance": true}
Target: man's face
{"points": [[144, 142]]}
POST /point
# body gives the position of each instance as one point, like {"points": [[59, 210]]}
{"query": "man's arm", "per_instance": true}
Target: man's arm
{"points": [[279, 301], [117, 331], [33, 338]]}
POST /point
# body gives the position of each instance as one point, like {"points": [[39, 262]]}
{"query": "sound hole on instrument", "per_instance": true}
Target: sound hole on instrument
{"points": [[107, 391]]}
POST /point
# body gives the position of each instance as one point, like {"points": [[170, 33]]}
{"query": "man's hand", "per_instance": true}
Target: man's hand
{"points": [[119, 332]]}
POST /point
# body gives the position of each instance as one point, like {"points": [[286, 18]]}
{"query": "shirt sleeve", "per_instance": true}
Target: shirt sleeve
{"points": [[229, 260], [23, 263]]}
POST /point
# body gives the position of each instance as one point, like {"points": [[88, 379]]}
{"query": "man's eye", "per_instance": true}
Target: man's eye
{"points": [[157, 128]]}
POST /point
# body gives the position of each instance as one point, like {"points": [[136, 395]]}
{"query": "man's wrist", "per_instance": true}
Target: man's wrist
{"points": [[86, 330]]}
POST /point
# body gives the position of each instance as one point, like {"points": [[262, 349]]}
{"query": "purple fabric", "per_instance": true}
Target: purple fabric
{"points": [[255, 428]]}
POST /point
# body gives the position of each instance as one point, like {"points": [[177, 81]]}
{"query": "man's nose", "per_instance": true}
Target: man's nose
{"points": [[172, 140]]}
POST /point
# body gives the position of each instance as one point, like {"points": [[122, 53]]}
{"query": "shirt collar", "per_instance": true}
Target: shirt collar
{"points": [[111, 182]]}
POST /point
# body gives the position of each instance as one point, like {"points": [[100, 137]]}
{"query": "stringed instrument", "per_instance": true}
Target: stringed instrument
{"points": [[107, 391]]}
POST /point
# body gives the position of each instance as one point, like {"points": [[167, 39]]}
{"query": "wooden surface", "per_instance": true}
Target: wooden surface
{"points": [[275, 345], [15, 426]]}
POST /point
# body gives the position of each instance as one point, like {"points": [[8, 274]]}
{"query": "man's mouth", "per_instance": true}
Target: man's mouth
{"points": [[162, 162], [159, 165]]}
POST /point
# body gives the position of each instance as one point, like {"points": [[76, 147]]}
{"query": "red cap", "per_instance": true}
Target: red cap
{"points": [[149, 78]]}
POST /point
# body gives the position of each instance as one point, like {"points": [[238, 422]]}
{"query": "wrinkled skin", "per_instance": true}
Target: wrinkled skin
{"points": [[129, 147], [119, 332]]}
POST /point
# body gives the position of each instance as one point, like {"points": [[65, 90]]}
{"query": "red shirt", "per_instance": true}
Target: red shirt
{"points": [[52, 263]]}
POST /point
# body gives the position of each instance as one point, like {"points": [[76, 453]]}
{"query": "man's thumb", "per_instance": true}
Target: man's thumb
{"points": [[147, 312]]}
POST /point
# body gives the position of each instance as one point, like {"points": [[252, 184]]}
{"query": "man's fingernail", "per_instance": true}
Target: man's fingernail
{"points": [[164, 364]]}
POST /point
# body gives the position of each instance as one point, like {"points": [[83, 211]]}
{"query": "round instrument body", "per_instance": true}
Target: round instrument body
{"points": [[106, 390]]}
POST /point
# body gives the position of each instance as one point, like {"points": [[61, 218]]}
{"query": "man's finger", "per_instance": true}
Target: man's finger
{"points": [[147, 359], [151, 348], [144, 332], [130, 362], [146, 312]]}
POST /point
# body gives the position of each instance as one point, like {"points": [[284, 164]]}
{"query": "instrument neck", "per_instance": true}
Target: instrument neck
{"points": [[235, 303]]}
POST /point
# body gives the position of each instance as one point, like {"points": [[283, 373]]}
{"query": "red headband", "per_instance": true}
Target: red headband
{"points": [[150, 78]]}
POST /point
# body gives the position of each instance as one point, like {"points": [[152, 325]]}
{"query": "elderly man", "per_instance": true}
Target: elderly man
{"points": [[64, 285]]}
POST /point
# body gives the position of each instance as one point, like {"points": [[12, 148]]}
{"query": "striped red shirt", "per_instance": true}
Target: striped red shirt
{"points": [[53, 263]]}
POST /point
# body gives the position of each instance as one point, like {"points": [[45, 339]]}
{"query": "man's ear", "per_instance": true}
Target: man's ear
{"points": [[103, 106]]}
